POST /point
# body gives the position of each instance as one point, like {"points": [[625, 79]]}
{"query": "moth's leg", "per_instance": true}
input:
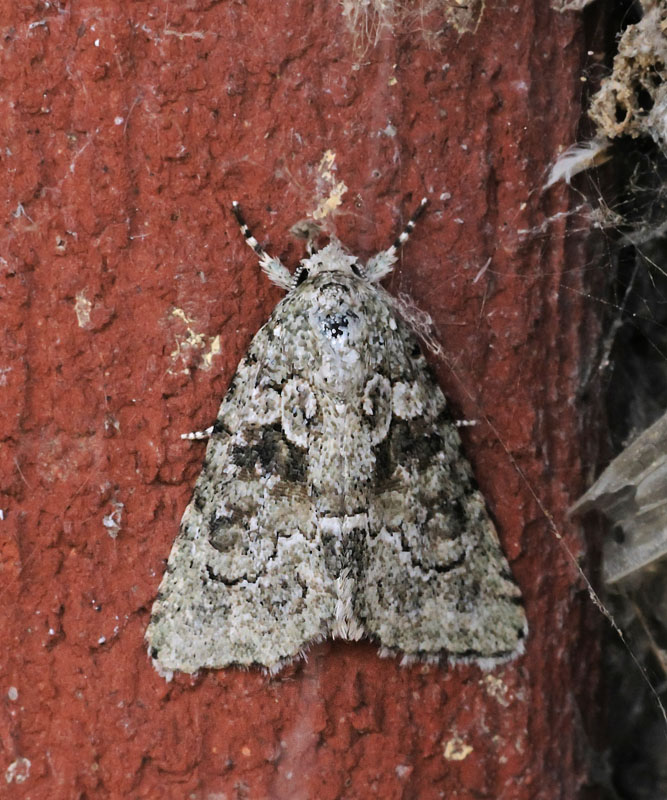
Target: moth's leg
{"points": [[382, 263], [206, 433], [198, 434], [276, 271]]}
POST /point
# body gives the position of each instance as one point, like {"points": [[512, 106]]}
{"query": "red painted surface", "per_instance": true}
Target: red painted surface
{"points": [[126, 130]]}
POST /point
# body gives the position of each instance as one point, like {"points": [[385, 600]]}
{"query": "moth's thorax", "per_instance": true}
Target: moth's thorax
{"points": [[335, 306]]}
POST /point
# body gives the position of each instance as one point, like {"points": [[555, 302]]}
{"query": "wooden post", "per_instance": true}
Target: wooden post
{"points": [[127, 130]]}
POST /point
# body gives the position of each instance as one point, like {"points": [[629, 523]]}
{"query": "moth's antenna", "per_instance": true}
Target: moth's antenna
{"points": [[273, 267], [405, 233], [383, 263]]}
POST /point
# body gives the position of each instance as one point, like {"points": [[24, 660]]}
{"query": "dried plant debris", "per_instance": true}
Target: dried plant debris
{"points": [[368, 20], [570, 5], [636, 734], [576, 159], [335, 499], [632, 494], [630, 114], [632, 101]]}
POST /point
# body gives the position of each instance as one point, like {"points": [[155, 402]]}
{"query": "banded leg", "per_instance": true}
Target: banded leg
{"points": [[383, 263], [274, 269], [217, 427], [197, 435]]}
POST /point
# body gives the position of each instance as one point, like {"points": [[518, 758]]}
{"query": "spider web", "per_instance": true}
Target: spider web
{"points": [[622, 192]]}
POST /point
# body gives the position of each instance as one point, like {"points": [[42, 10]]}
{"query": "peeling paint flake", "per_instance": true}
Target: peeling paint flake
{"points": [[82, 308], [191, 341], [214, 349], [330, 190], [496, 688], [456, 749], [18, 771]]}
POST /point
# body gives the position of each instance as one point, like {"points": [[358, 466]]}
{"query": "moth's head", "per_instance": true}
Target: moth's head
{"points": [[329, 266], [333, 284], [331, 287]]}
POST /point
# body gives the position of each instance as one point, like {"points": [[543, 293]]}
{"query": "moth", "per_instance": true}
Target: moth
{"points": [[334, 499]]}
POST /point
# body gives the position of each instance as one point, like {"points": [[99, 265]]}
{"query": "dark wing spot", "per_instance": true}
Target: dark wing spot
{"points": [[407, 442], [274, 453]]}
